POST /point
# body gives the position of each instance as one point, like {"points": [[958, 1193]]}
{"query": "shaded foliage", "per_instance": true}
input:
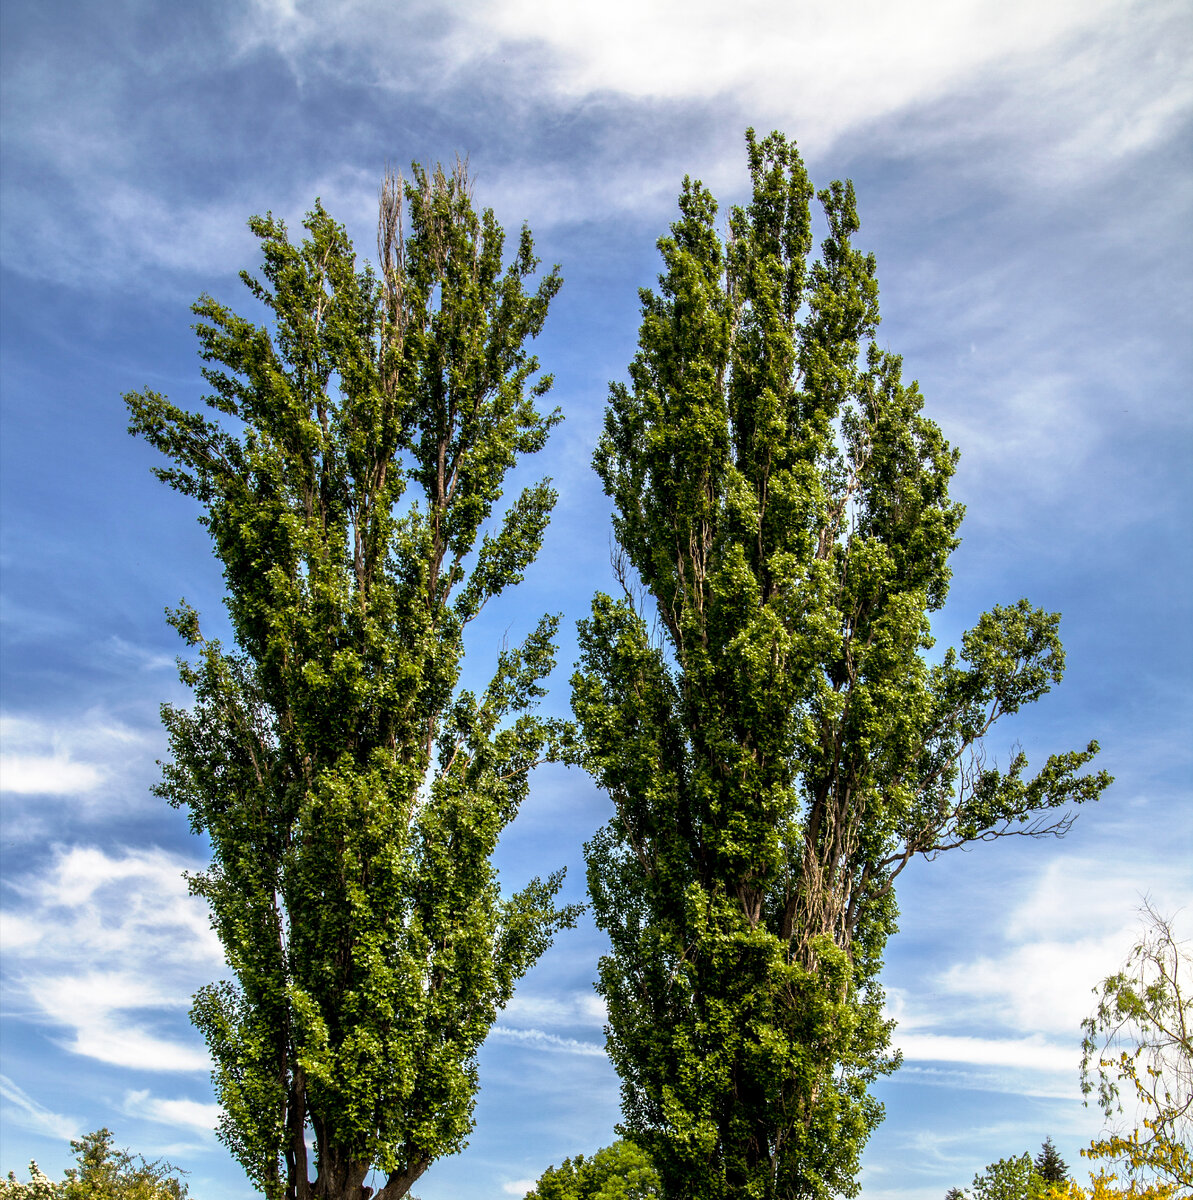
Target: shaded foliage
{"points": [[1049, 1165]]}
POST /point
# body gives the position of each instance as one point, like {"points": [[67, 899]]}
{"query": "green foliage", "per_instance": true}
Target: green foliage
{"points": [[352, 793], [1145, 1013], [101, 1173], [759, 706], [618, 1172], [1049, 1165], [1009, 1179]]}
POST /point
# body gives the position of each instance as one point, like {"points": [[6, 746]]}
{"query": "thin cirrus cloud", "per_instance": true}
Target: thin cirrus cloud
{"points": [[17, 1107], [193, 1115], [571, 1009], [539, 1039], [67, 925]]}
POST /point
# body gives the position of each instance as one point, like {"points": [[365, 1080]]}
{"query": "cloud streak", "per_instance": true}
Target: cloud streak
{"points": [[538, 1039], [1033, 1053], [181, 1113], [22, 1110]]}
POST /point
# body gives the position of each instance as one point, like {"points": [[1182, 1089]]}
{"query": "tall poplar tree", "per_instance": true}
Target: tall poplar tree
{"points": [[351, 791], [759, 706]]}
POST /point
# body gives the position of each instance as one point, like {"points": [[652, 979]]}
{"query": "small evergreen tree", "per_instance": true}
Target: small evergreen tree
{"points": [[1050, 1167]]}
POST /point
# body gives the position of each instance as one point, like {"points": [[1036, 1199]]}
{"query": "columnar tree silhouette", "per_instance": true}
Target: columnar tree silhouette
{"points": [[351, 792], [759, 706]]}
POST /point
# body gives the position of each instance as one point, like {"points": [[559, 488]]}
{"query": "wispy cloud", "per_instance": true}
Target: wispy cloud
{"points": [[837, 68], [146, 660], [572, 1009], [1053, 93], [1008, 1019], [1034, 1053], [22, 1110], [540, 1040], [60, 758], [181, 1113], [107, 947], [47, 775], [851, 64], [1072, 929]]}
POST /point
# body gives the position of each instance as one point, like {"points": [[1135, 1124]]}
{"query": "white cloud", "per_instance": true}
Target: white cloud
{"points": [[540, 1040], [1072, 929], [518, 1187], [106, 946], [1034, 1053], [1021, 1002], [106, 1014], [570, 1009], [852, 60], [58, 759], [47, 776], [1075, 896], [833, 67], [185, 1114], [22, 1110], [1098, 80], [1063, 91]]}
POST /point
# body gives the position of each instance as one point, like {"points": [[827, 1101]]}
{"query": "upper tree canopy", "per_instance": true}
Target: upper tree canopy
{"points": [[357, 448], [617, 1172], [760, 705]]}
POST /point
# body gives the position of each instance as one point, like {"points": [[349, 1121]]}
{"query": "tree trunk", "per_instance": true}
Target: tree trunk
{"points": [[399, 1183]]}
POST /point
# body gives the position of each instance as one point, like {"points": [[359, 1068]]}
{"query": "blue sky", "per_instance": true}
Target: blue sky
{"points": [[1023, 173]]}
